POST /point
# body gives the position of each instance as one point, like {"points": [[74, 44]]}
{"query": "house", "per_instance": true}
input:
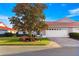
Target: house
{"points": [[4, 28], [61, 28]]}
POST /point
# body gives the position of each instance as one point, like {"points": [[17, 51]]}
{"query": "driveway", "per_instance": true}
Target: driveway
{"points": [[65, 42]]}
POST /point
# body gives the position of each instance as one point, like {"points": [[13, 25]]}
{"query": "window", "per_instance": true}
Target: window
{"points": [[49, 29], [56, 28]]}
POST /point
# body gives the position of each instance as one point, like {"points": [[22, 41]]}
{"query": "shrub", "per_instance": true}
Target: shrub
{"points": [[19, 35], [74, 35], [2, 35], [8, 34]]}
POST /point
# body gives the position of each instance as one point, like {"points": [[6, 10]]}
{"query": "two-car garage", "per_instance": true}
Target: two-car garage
{"points": [[56, 33]]}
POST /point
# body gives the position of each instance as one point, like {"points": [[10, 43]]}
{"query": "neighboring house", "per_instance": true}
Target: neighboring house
{"points": [[61, 28], [4, 28]]}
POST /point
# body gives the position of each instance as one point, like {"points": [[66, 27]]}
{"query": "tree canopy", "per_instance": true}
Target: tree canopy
{"points": [[29, 17]]}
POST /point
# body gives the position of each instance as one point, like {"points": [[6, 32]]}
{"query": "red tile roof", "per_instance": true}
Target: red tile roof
{"points": [[63, 23], [60, 24], [65, 20], [6, 28], [3, 26]]}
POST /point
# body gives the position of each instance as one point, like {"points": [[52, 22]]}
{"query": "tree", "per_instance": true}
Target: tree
{"points": [[29, 17]]}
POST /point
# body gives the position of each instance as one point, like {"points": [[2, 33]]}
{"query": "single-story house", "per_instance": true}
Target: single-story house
{"points": [[61, 28]]}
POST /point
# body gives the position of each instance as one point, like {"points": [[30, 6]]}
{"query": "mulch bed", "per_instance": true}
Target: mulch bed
{"points": [[27, 39]]}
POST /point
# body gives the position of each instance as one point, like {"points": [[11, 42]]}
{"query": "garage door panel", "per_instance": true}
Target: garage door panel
{"points": [[56, 33]]}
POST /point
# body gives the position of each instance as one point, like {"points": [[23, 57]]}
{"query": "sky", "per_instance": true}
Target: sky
{"points": [[54, 12]]}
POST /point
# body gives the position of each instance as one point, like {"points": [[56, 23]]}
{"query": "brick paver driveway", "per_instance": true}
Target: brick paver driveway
{"points": [[65, 42]]}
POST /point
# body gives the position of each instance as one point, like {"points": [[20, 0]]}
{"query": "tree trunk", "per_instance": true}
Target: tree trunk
{"points": [[38, 32], [24, 33], [32, 38], [30, 34]]}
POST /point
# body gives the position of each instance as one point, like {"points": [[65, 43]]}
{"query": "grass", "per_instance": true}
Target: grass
{"points": [[16, 41]]}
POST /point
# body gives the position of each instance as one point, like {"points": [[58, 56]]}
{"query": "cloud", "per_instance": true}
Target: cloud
{"points": [[70, 16], [3, 17], [74, 12], [5, 20]]}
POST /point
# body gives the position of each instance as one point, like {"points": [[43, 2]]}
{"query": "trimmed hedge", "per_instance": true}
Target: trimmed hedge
{"points": [[6, 35], [74, 35], [9, 34]]}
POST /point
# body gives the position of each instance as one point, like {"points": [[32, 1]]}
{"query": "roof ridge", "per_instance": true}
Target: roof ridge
{"points": [[66, 19]]}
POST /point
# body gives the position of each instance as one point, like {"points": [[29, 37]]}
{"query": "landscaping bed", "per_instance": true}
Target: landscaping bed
{"points": [[16, 41]]}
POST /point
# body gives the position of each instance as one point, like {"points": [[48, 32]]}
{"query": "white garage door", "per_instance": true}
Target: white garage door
{"points": [[56, 33]]}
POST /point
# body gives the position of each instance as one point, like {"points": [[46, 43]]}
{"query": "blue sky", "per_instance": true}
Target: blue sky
{"points": [[55, 11]]}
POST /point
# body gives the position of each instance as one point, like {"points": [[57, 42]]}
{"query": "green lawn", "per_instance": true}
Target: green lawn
{"points": [[16, 41]]}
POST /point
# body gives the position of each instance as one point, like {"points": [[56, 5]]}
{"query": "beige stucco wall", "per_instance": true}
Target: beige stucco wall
{"points": [[75, 29]]}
